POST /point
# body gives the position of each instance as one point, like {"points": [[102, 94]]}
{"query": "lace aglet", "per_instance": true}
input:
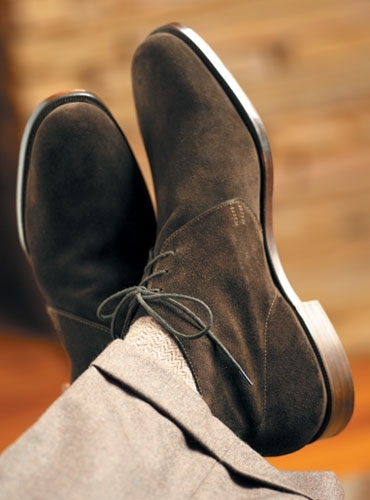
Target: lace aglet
{"points": [[244, 375], [231, 358]]}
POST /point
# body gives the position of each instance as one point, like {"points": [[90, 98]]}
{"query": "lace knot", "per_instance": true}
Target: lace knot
{"points": [[120, 308]]}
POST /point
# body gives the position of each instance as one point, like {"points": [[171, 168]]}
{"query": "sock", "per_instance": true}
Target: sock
{"points": [[150, 338]]}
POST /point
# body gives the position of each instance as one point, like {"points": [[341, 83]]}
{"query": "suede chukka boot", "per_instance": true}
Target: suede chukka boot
{"points": [[85, 218], [268, 365]]}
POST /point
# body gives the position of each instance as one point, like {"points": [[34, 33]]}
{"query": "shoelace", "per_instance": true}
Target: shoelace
{"points": [[123, 305]]}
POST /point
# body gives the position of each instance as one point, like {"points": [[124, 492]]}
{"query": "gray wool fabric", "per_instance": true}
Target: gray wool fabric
{"points": [[128, 428]]}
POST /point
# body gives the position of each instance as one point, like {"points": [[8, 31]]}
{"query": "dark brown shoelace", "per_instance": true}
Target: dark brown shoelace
{"points": [[121, 306]]}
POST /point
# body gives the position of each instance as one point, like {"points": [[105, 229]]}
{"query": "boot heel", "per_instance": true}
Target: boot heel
{"points": [[336, 369], [324, 340]]}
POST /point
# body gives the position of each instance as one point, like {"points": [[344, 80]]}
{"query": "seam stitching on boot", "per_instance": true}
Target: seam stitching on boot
{"points": [[268, 317], [73, 317], [241, 203]]}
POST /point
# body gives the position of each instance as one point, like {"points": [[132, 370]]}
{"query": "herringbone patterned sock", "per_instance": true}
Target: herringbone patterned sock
{"points": [[149, 337]]}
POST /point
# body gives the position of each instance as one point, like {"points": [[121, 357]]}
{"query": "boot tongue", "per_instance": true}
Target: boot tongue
{"points": [[174, 222], [180, 217]]}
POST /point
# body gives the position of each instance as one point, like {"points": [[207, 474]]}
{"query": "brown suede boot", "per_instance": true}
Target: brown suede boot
{"points": [[269, 366], [85, 218]]}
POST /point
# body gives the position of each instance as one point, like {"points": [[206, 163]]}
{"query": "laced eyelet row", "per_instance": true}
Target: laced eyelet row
{"points": [[121, 307]]}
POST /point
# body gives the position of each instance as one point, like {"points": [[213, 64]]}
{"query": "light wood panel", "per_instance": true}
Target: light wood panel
{"points": [[32, 374]]}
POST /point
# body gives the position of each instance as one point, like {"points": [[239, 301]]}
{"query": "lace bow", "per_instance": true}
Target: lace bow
{"points": [[122, 305]]}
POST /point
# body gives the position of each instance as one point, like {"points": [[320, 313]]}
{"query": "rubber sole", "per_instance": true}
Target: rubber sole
{"points": [[319, 330]]}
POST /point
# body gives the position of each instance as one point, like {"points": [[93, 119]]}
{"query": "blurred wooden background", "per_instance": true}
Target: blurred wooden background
{"points": [[306, 67]]}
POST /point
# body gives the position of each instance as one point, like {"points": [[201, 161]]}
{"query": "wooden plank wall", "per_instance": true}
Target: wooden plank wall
{"points": [[305, 65]]}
